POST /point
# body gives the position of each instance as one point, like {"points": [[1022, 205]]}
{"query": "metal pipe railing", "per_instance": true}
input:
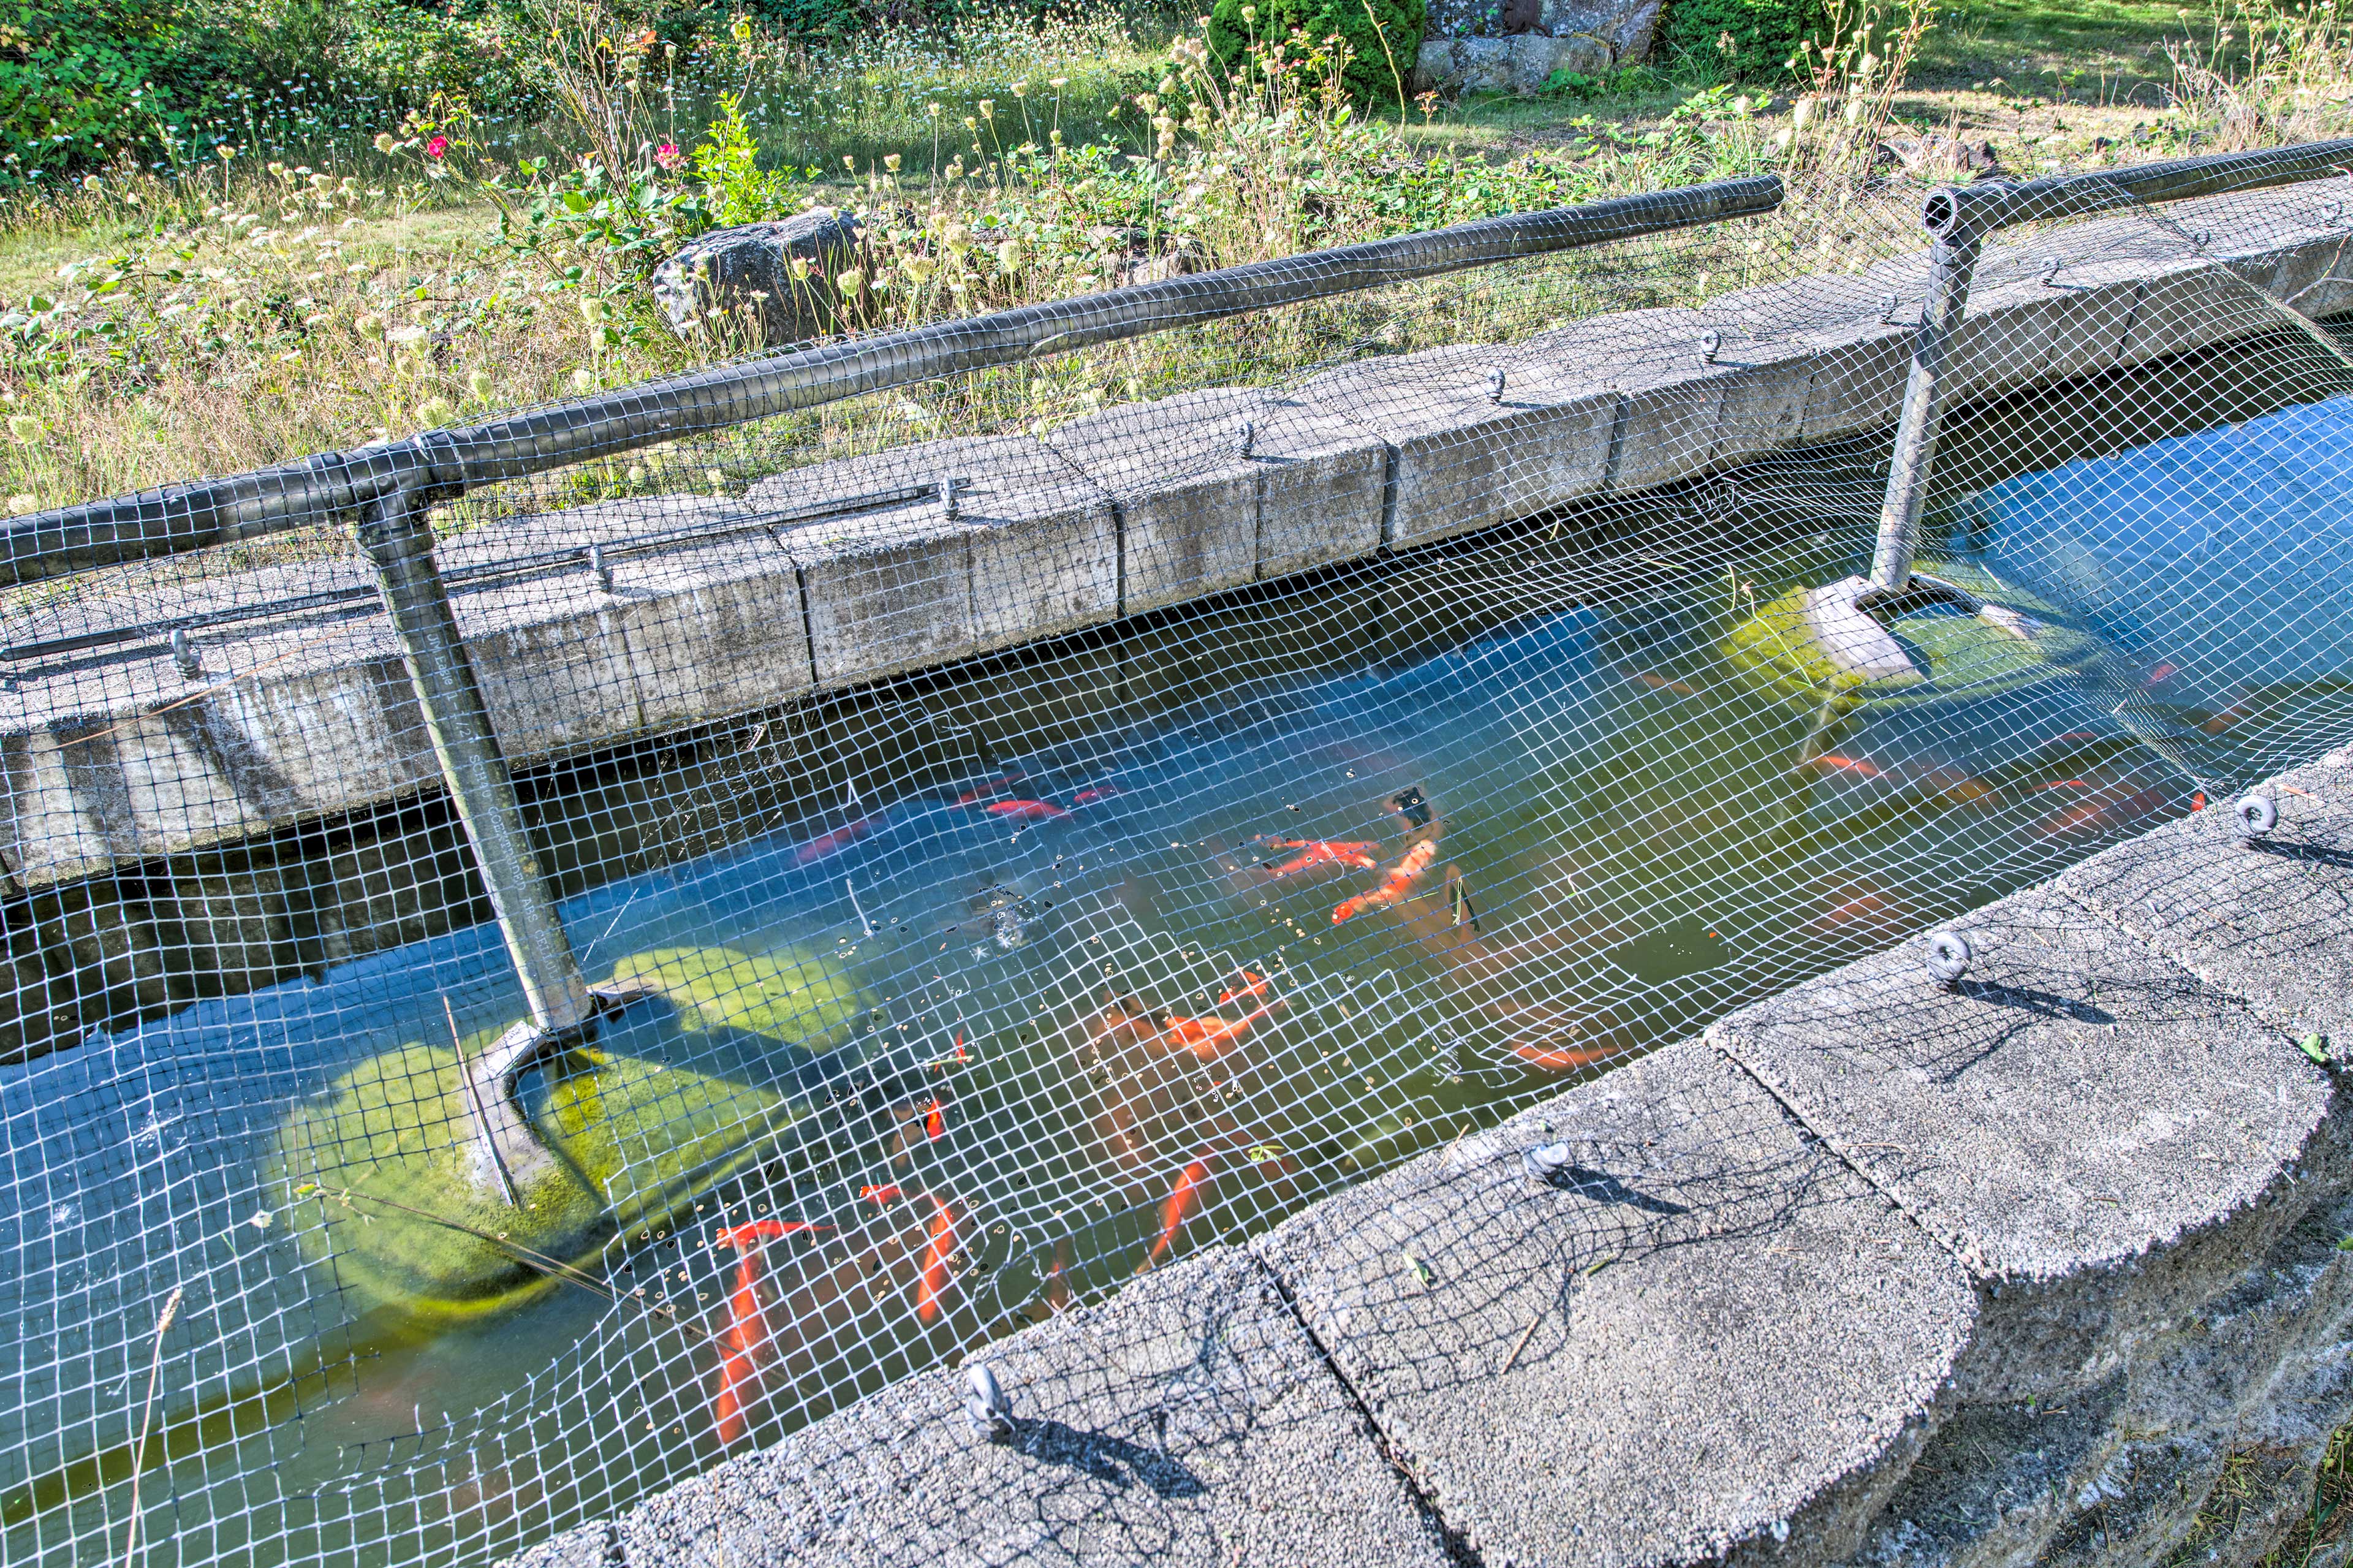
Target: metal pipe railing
{"points": [[387, 492], [1958, 218], [440, 463]]}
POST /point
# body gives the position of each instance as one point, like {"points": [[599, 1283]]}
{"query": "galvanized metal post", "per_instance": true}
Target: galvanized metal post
{"points": [[1952, 262], [395, 532]]}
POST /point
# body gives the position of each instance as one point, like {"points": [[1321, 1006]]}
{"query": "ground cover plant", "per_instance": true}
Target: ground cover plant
{"points": [[306, 275]]}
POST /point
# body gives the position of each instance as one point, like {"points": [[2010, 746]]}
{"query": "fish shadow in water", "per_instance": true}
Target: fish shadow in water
{"points": [[1112, 1460], [1605, 1188]]}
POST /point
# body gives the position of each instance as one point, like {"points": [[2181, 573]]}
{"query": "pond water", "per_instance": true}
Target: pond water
{"points": [[1430, 840]]}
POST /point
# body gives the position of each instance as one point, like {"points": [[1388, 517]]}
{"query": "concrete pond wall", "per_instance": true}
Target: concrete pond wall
{"points": [[168, 836], [2047, 1267]]}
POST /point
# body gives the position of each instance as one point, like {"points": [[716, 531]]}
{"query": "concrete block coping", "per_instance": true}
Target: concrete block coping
{"points": [[1877, 1270], [1191, 1422], [113, 757]]}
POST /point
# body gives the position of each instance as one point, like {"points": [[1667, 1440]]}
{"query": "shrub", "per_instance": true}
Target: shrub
{"points": [[1377, 58], [1762, 35], [809, 19], [83, 81]]}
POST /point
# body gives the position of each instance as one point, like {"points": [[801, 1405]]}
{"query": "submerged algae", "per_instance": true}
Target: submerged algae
{"points": [[705, 1074], [1958, 654]]}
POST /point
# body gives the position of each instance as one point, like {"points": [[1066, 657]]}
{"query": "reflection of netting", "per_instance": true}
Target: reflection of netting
{"points": [[1031, 826]]}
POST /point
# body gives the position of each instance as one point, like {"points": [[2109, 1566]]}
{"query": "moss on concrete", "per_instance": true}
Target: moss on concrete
{"points": [[1964, 655], [687, 1086]]}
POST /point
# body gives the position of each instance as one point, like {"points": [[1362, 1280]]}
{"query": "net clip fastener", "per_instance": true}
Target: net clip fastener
{"points": [[1949, 957], [990, 1407]]}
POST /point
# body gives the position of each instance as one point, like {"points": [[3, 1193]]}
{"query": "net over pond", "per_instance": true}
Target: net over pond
{"points": [[1017, 827]]}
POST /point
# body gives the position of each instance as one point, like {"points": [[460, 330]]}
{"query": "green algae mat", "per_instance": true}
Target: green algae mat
{"points": [[698, 1078]]}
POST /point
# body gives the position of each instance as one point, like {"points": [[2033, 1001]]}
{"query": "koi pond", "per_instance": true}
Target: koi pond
{"points": [[1352, 865]]}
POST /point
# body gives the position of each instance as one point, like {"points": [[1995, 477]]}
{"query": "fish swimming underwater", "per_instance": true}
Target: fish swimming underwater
{"points": [[1183, 1199], [1401, 882], [827, 844], [939, 1261], [1252, 987], [1315, 852], [747, 1324], [1028, 810], [1208, 1038]]}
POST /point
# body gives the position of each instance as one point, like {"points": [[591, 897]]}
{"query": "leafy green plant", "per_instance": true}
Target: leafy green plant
{"points": [[1379, 39], [85, 81], [1738, 40], [1570, 85], [726, 162]]}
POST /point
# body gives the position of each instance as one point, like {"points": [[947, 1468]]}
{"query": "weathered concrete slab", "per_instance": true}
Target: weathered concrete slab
{"points": [[1463, 453], [1188, 1421], [1668, 395], [2208, 1439], [2265, 921], [2096, 1134], [121, 757], [894, 581], [1322, 484], [1730, 1341], [1185, 494], [2023, 327]]}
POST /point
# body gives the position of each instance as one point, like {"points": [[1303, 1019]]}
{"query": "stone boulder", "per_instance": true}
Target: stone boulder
{"points": [[1517, 44], [744, 276]]}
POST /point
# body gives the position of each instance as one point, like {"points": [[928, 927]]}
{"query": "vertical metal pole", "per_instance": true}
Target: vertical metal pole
{"points": [[1952, 261], [396, 537]]}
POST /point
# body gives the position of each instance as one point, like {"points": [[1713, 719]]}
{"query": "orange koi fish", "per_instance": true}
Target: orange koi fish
{"points": [[1208, 1037], [1183, 1199], [958, 1057], [1313, 852], [1090, 797], [2162, 673], [998, 785], [1026, 810], [747, 1324], [939, 1258], [1254, 986], [1057, 1278], [1832, 763], [2108, 813], [1417, 860], [1567, 1059], [935, 1120], [879, 1196], [1659, 682], [825, 846], [2063, 783]]}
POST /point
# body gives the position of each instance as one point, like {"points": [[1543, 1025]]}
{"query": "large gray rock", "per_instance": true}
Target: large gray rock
{"points": [[1516, 46], [735, 284]]}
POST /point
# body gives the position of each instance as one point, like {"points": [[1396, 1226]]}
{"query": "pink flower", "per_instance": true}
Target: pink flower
{"points": [[438, 147], [668, 156]]}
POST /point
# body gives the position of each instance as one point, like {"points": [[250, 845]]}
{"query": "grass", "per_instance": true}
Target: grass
{"points": [[161, 326]]}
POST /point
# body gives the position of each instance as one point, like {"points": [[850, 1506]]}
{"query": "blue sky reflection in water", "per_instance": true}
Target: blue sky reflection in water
{"points": [[1105, 1014]]}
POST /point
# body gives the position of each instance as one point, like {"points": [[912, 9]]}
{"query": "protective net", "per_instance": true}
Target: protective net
{"points": [[1023, 826]]}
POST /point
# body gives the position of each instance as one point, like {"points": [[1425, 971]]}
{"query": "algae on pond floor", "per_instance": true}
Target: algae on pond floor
{"points": [[689, 1085]]}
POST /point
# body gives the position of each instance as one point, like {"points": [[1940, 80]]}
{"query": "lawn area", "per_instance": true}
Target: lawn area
{"points": [[356, 280]]}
